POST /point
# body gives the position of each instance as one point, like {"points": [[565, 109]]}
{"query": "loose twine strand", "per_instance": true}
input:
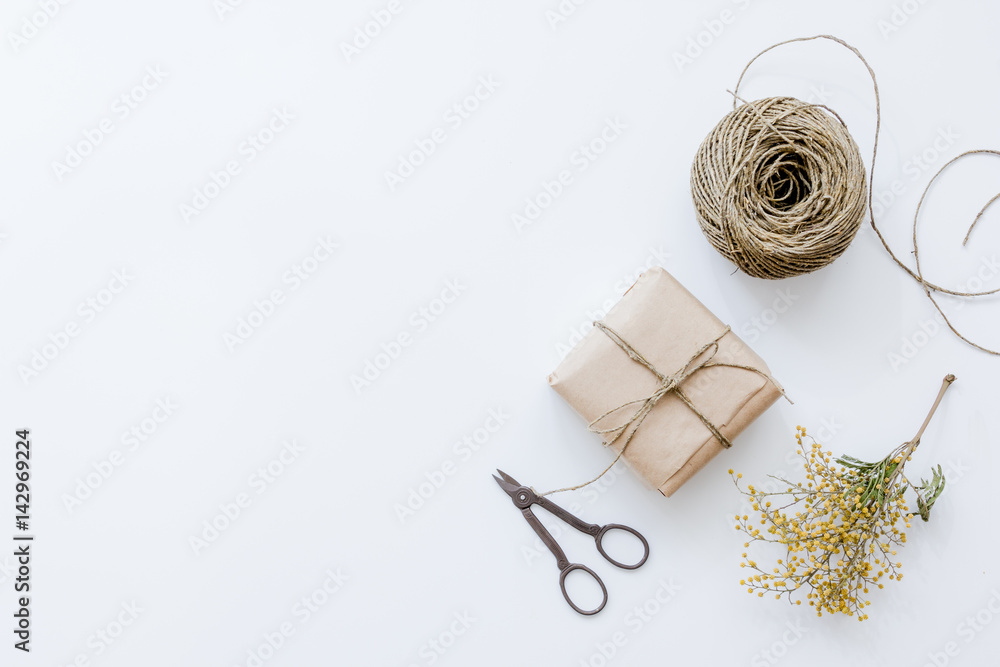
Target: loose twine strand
{"points": [[700, 360], [779, 188]]}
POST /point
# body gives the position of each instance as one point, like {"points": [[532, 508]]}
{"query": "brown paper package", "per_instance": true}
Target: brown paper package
{"points": [[665, 323]]}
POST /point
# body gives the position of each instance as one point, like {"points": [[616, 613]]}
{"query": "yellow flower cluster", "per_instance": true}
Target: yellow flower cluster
{"points": [[838, 530]]}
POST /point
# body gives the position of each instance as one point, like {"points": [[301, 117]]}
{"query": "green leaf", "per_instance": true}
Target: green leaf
{"points": [[928, 492], [851, 462]]}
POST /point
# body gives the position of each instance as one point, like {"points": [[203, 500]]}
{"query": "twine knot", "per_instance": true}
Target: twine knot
{"points": [[701, 359]]}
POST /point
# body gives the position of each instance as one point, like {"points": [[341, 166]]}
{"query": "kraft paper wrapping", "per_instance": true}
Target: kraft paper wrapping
{"points": [[666, 324]]}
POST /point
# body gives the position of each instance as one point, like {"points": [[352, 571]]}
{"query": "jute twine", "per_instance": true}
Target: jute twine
{"points": [[779, 188]]}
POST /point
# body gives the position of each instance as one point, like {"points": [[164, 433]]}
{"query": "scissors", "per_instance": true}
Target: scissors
{"points": [[524, 497]]}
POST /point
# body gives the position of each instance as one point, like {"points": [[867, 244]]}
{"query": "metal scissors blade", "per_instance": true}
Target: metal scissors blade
{"points": [[507, 483]]}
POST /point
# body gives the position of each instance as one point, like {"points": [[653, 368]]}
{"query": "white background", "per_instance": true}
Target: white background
{"points": [[465, 550]]}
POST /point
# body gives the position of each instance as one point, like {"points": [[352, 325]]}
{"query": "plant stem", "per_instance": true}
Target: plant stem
{"points": [[948, 379], [912, 444]]}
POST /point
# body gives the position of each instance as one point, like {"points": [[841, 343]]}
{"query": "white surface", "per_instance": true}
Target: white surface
{"points": [[466, 551]]}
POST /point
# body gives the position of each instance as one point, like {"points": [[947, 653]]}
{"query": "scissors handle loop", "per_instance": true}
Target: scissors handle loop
{"points": [[562, 585], [617, 526]]}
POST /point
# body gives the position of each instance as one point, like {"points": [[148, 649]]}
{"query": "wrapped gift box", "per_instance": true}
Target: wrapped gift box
{"points": [[727, 385]]}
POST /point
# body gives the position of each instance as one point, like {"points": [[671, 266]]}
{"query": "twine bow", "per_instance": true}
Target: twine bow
{"points": [[700, 360]]}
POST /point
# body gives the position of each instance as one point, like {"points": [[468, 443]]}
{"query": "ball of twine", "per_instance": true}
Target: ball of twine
{"points": [[779, 187]]}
